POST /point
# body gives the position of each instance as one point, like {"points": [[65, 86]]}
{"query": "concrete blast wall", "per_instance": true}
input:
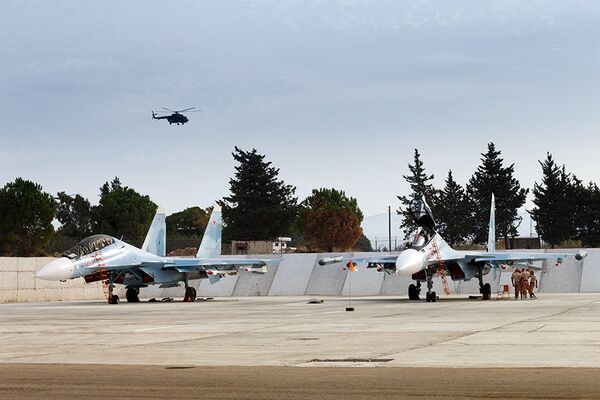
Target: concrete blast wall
{"points": [[297, 274]]}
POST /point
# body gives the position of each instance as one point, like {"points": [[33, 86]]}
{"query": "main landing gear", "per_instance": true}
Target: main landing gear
{"points": [[132, 295], [415, 290], [484, 289], [190, 292]]}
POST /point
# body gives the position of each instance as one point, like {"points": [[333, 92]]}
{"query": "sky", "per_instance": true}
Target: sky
{"points": [[335, 93]]}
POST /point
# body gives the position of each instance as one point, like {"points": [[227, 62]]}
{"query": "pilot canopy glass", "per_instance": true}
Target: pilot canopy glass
{"points": [[89, 245]]}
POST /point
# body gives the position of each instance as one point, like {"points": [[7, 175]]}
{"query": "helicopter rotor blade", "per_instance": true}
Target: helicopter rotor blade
{"points": [[168, 109], [185, 109]]}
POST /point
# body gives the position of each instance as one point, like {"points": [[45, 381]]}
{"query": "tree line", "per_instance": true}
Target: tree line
{"points": [[261, 206], [565, 210]]}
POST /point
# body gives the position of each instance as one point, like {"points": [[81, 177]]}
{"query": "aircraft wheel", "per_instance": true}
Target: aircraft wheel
{"points": [[114, 299], [487, 291], [132, 295], [433, 297], [428, 297], [190, 294], [413, 293]]}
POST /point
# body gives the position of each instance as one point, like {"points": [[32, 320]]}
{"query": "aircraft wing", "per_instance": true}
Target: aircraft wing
{"points": [[358, 260], [510, 257], [222, 264]]}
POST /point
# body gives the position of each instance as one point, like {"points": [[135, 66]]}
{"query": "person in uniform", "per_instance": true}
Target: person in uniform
{"points": [[532, 284], [524, 283], [516, 281]]}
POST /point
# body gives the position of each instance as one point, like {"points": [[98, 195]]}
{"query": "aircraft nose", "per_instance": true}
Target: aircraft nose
{"points": [[57, 270], [410, 261]]}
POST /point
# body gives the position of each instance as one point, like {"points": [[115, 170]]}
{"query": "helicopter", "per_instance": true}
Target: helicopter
{"points": [[177, 117]]}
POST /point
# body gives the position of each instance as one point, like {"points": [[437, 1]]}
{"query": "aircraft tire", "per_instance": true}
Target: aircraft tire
{"points": [[413, 294], [114, 299], [132, 295], [487, 291], [190, 295], [433, 297]]}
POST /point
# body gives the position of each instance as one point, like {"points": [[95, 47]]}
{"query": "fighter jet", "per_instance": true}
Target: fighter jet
{"points": [[105, 258], [427, 255]]}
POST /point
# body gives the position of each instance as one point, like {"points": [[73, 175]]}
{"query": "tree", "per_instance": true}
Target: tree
{"points": [[329, 220], [260, 206], [123, 212], [189, 222], [554, 205], [75, 215], [363, 244], [26, 218], [420, 187], [492, 177], [587, 212], [453, 212]]}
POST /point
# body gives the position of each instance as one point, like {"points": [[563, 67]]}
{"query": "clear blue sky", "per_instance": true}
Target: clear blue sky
{"points": [[336, 93]]}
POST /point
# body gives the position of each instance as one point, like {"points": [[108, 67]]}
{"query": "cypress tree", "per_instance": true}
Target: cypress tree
{"points": [[492, 177], [554, 205], [260, 206], [453, 214], [421, 187]]}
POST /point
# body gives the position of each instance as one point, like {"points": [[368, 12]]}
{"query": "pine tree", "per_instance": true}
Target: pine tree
{"points": [[260, 207], [453, 213], [492, 177], [420, 187], [587, 212], [554, 205], [25, 218], [75, 215], [123, 212]]}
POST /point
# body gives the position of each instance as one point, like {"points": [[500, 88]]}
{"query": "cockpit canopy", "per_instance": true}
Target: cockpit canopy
{"points": [[89, 245], [417, 241]]}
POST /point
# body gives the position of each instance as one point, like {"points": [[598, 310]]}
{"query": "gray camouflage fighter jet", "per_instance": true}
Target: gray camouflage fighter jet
{"points": [[428, 255], [105, 258]]}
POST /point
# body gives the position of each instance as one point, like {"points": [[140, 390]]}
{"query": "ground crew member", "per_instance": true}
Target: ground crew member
{"points": [[532, 284], [524, 283], [516, 281]]}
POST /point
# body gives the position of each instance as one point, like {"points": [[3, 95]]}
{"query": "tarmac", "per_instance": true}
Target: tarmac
{"points": [[284, 347], [556, 330]]}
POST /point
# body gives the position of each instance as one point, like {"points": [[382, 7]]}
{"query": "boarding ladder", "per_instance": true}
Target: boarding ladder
{"points": [[441, 268]]}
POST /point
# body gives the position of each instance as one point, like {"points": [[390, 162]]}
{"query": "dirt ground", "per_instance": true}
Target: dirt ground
{"points": [[53, 381]]}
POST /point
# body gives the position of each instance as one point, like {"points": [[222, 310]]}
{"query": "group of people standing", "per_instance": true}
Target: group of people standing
{"points": [[524, 282]]}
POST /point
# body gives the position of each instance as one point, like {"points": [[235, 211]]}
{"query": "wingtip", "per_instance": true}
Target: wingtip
{"points": [[160, 210], [216, 208]]}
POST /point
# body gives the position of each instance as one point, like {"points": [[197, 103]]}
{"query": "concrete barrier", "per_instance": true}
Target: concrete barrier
{"points": [[298, 274], [293, 275], [326, 280]]}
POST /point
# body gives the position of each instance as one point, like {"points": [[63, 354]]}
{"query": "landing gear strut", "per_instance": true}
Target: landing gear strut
{"points": [[190, 292], [132, 295], [484, 289], [112, 298], [430, 296]]}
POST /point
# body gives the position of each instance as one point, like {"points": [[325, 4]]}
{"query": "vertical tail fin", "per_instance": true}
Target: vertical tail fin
{"points": [[211, 241], [156, 238], [491, 244]]}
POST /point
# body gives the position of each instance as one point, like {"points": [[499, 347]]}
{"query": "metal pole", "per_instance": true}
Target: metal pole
{"points": [[390, 228]]}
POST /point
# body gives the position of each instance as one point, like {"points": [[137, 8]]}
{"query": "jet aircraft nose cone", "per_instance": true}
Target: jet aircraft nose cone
{"points": [[57, 270], [410, 261]]}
